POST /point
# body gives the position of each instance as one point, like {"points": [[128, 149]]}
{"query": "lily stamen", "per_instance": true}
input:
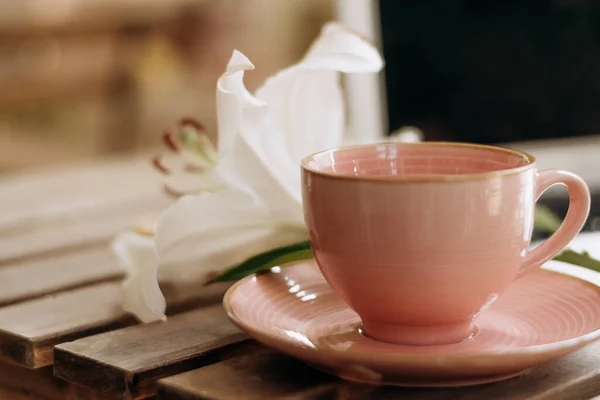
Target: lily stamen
{"points": [[169, 141], [157, 163], [192, 122], [194, 169]]}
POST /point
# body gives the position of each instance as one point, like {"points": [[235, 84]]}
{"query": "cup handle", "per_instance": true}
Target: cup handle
{"points": [[579, 208]]}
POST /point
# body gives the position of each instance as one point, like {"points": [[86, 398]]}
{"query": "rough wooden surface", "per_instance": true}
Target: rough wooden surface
{"points": [[271, 375], [262, 374], [128, 361], [70, 208], [77, 190], [18, 383], [55, 273], [575, 377], [29, 330], [65, 240]]}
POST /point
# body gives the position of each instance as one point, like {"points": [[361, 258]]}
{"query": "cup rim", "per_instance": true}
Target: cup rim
{"points": [[528, 158]]}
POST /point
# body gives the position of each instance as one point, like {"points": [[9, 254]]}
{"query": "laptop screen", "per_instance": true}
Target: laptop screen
{"points": [[492, 71]]}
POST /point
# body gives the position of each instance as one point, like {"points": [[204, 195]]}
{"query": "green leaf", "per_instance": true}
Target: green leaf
{"points": [[267, 260], [545, 220], [582, 259]]}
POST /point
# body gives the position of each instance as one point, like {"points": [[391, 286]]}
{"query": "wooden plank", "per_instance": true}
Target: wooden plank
{"points": [[29, 330], [18, 395], [95, 230], [18, 383], [31, 279], [270, 375], [574, 377], [40, 198], [75, 205], [263, 374], [31, 194], [129, 361]]}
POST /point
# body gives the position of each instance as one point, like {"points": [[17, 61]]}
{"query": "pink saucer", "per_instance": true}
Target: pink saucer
{"points": [[541, 317]]}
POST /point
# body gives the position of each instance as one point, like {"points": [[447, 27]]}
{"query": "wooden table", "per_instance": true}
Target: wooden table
{"points": [[64, 336]]}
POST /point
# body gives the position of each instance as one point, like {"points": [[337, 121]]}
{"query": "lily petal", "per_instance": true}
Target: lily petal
{"points": [[341, 50], [184, 183], [243, 170], [141, 294], [214, 231], [306, 101], [239, 167], [232, 98], [302, 112], [407, 134]]}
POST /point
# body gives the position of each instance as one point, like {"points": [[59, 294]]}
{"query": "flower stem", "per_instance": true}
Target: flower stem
{"points": [[547, 221], [265, 261], [582, 259]]}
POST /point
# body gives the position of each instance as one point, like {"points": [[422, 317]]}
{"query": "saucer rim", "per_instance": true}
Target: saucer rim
{"points": [[559, 348]]}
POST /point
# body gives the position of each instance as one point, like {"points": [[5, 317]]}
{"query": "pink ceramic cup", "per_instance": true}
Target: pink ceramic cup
{"points": [[420, 238]]}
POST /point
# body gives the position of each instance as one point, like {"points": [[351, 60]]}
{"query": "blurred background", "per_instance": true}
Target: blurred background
{"points": [[81, 79], [493, 71]]}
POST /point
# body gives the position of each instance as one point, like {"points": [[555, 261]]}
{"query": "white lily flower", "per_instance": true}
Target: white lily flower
{"points": [[137, 255], [262, 139]]}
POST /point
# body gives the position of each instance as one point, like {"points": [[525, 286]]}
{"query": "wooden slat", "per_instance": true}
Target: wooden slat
{"points": [[75, 186], [18, 395], [27, 280], [129, 361], [18, 383], [99, 228], [29, 330], [271, 375], [75, 206], [574, 377], [263, 374]]}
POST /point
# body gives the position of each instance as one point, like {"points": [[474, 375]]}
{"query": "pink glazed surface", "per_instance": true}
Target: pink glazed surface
{"points": [[545, 315], [420, 238]]}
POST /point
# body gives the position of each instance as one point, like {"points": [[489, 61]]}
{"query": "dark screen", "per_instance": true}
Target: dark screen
{"points": [[492, 71]]}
